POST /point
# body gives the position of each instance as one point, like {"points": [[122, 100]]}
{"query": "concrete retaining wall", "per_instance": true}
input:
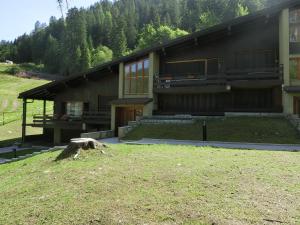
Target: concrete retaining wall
{"points": [[98, 135], [122, 131]]}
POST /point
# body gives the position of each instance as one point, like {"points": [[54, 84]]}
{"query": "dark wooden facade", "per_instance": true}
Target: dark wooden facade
{"points": [[236, 70]]}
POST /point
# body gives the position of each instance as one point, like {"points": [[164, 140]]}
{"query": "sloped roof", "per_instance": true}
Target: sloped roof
{"points": [[42, 92]]}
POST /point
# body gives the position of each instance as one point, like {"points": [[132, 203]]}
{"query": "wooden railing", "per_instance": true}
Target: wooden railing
{"points": [[168, 80], [87, 117]]}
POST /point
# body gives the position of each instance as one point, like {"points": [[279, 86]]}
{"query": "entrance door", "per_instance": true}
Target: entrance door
{"points": [[297, 106], [126, 114]]}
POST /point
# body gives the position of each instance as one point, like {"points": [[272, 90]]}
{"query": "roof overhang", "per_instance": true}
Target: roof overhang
{"points": [[292, 89], [48, 91]]}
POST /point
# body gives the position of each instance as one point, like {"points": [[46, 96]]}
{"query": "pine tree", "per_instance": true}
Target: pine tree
{"points": [[119, 45], [75, 43], [52, 55]]}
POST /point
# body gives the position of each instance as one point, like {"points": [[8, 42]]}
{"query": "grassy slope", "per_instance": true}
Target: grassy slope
{"points": [[246, 129], [153, 185], [10, 87]]}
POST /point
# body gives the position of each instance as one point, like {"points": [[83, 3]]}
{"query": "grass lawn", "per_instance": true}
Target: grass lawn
{"points": [[153, 185], [10, 87], [12, 132], [240, 129]]}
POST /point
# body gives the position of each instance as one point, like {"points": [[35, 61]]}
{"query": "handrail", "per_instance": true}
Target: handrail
{"points": [[167, 80], [86, 115]]}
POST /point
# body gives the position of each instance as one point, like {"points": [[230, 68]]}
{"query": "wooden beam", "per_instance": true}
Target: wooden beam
{"points": [[192, 89], [44, 111], [24, 120]]}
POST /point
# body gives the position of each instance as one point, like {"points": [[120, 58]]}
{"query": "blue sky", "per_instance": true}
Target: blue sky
{"points": [[19, 16]]}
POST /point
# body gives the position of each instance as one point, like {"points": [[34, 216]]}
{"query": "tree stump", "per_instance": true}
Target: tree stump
{"points": [[77, 144]]}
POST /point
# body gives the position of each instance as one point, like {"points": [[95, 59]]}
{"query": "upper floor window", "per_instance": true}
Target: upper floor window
{"points": [[136, 77], [199, 67], [295, 25]]}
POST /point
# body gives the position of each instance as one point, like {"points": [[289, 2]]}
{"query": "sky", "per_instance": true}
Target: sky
{"points": [[19, 16]]}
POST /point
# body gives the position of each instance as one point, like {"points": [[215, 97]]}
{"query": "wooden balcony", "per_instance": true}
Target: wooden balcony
{"points": [[190, 83], [70, 122]]}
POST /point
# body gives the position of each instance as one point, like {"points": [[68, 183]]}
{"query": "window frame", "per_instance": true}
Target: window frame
{"points": [[74, 109], [133, 78], [294, 25], [205, 62]]}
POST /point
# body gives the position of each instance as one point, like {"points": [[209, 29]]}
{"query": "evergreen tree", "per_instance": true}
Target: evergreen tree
{"points": [[122, 26], [75, 43], [119, 45], [52, 55]]}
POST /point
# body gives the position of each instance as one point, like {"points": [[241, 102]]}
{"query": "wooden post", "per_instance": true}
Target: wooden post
{"points": [[24, 119], [44, 112], [204, 127]]}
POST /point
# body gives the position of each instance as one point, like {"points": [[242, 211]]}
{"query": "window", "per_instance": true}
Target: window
{"points": [[294, 31], [136, 78], [295, 25], [295, 68], [74, 109], [186, 68], [199, 67]]}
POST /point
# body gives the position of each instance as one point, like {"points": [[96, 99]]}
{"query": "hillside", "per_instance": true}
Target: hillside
{"points": [[153, 185], [11, 106]]}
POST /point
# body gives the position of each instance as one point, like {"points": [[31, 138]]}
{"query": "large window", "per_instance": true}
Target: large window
{"points": [[74, 109], [294, 31], [198, 67], [136, 78], [295, 25], [295, 68]]}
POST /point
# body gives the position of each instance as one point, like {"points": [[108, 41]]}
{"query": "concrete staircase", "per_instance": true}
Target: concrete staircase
{"points": [[176, 119]]}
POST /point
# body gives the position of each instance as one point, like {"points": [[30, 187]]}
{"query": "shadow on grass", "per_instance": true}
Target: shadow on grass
{"points": [[9, 142], [67, 153]]}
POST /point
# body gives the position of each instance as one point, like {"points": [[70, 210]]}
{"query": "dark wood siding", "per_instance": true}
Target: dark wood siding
{"points": [[252, 46], [89, 92], [237, 100]]}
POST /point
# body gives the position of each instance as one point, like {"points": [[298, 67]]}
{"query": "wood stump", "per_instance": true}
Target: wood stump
{"points": [[76, 144]]}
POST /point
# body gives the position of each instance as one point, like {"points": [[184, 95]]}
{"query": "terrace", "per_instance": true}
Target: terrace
{"points": [[270, 76], [71, 122]]}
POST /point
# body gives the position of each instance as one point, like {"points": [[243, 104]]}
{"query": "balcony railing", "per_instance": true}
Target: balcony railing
{"points": [[169, 81], [102, 118]]}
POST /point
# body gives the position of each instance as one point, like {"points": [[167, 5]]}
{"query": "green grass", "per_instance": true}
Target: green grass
{"points": [[241, 129], [11, 106], [153, 185], [11, 133], [9, 69]]}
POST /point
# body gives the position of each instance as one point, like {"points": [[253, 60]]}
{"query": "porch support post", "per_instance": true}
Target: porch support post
{"points": [[284, 59], [24, 120], [44, 111]]}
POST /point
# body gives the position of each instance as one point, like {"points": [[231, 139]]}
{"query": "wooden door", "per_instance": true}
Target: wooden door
{"points": [[297, 106], [126, 114]]}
